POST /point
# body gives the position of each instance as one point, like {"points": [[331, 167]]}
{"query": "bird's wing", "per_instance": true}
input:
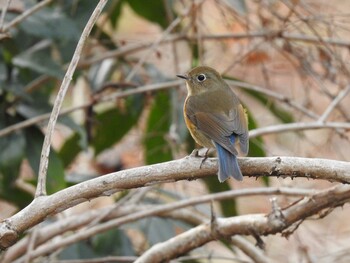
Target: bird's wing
{"points": [[219, 126]]}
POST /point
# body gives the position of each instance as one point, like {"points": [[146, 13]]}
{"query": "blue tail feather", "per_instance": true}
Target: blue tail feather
{"points": [[228, 164]]}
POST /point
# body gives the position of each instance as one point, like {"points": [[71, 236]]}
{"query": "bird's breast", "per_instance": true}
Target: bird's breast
{"points": [[196, 134]]}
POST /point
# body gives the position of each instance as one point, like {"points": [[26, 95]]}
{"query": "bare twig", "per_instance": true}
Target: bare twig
{"points": [[256, 254], [153, 47], [275, 95], [3, 14], [44, 160], [32, 243], [334, 104], [113, 96], [25, 15], [298, 126]]}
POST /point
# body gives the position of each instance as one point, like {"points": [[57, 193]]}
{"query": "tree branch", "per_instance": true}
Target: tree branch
{"points": [[110, 97], [26, 14], [258, 224], [183, 169], [44, 159], [298, 126]]}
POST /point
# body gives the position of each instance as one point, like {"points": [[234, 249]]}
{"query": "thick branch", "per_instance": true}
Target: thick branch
{"points": [[123, 215], [258, 224], [183, 169]]}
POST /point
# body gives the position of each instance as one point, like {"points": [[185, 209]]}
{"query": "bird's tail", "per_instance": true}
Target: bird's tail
{"points": [[228, 165]]}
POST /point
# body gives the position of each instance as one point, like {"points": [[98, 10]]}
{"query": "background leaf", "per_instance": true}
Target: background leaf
{"points": [[55, 172], [156, 146], [153, 11], [113, 124]]}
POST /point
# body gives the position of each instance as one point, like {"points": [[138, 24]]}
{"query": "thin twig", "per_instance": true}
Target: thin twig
{"points": [[342, 94], [153, 47], [298, 126], [3, 14], [44, 160], [252, 251], [113, 96], [274, 95], [25, 15], [32, 242]]}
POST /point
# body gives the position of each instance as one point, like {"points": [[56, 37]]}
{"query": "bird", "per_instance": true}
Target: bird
{"points": [[216, 118]]}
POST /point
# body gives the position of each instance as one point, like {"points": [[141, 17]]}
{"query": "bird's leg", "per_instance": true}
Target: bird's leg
{"points": [[195, 153], [204, 158]]}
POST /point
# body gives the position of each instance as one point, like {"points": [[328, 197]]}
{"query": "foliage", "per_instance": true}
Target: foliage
{"points": [[34, 58]]}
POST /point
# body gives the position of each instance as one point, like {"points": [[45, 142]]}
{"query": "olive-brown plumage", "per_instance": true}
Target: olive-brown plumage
{"points": [[215, 117]]}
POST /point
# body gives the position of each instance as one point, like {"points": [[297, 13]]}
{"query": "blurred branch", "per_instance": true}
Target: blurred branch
{"points": [[25, 15], [125, 50], [277, 34], [183, 169], [3, 14], [129, 214], [342, 94], [154, 46], [275, 95], [298, 126], [257, 224], [256, 254], [98, 99], [44, 160]]}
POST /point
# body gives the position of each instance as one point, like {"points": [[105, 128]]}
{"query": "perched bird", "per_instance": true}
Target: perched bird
{"points": [[215, 117]]}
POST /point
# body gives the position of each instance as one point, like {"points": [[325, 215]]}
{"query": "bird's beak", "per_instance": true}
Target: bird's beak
{"points": [[182, 76]]}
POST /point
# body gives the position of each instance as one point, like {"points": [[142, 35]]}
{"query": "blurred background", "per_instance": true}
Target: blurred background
{"points": [[287, 60]]}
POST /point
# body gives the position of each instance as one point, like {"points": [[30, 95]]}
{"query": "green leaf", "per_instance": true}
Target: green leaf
{"points": [[157, 229], [156, 146], [113, 242], [228, 207], [115, 13], [281, 114], [70, 149], [51, 23], [79, 12], [11, 155], [113, 124], [277, 111], [55, 172], [39, 60], [153, 11], [80, 250]]}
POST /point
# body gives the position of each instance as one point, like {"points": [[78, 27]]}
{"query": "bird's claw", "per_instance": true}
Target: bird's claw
{"points": [[195, 153]]}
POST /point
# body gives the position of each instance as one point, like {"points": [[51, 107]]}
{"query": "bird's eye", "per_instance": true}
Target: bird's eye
{"points": [[201, 77]]}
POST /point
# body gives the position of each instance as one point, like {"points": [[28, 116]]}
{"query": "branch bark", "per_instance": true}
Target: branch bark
{"points": [[182, 169], [257, 224]]}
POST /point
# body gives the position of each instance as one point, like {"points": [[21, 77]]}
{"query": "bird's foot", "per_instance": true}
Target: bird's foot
{"points": [[204, 158], [195, 153]]}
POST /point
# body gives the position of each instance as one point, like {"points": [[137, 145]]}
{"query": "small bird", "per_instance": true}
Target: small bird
{"points": [[215, 117]]}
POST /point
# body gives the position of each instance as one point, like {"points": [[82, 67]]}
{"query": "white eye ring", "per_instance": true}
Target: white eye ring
{"points": [[201, 77]]}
